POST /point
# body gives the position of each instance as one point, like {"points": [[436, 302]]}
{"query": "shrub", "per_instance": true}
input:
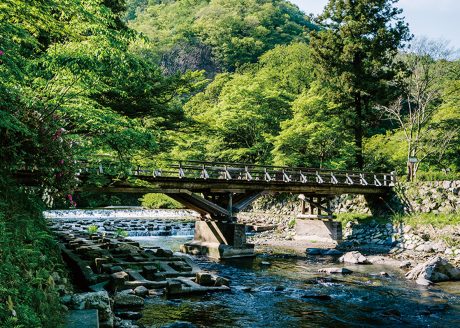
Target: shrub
{"points": [[28, 257], [92, 229], [159, 201], [121, 233]]}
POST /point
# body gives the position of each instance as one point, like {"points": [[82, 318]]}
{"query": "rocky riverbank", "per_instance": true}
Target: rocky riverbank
{"points": [[116, 275]]}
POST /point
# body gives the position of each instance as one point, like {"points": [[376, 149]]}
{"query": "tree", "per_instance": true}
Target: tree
{"points": [[354, 54], [427, 131], [219, 35], [236, 117], [314, 137]]}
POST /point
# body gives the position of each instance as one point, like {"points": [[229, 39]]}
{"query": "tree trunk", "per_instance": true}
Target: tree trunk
{"points": [[359, 131]]}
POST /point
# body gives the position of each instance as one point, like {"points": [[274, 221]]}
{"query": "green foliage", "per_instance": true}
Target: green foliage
{"points": [[386, 152], [354, 56], [237, 115], [291, 224], [28, 256], [437, 220], [314, 137], [352, 217], [120, 233], [438, 176], [231, 32], [92, 229], [159, 201]]}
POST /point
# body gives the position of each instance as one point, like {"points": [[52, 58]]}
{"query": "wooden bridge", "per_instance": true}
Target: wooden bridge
{"points": [[217, 191]]}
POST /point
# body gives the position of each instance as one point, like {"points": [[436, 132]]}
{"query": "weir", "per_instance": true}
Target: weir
{"points": [[218, 191]]}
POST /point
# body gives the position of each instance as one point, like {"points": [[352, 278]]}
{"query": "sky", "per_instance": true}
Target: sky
{"points": [[435, 19]]}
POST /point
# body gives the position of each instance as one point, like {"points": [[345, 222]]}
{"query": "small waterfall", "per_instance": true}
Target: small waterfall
{"points": [[160, 226]]}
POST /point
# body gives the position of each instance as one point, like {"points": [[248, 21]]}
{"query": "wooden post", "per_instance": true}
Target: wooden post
{"points": [[230, 204]]}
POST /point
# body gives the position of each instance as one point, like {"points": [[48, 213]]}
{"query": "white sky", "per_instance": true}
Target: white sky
{"points": [[435, 19]]}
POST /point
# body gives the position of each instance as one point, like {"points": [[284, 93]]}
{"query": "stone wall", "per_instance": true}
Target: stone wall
{"points": [[430, 197], [418, 197], [400, 238]]}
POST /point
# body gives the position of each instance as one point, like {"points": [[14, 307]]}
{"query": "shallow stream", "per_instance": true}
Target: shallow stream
{"points": [[285, 294], [289, 292]]}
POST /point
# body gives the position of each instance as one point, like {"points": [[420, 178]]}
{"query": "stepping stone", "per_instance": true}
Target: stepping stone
{"points": [[82, 319]]}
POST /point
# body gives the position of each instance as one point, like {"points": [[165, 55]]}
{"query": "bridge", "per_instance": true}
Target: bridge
{"points": [[218, 191]]}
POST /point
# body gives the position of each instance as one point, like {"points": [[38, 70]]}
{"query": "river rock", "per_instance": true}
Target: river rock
{"points": [[118, 279], [128, 315], [335, 270], [160, 252], [127, 301], [405, 264], [435, 269], [354, 257], [99, 301], [204, 279], [221, 281], [314, 251], [141, 291]]}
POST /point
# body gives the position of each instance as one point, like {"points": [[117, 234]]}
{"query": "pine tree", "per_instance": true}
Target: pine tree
{"points": [[355, 56]]}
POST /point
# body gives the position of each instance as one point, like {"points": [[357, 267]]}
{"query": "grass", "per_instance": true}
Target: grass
{"points": [[155, 201], [436, 220], [414, 220], [28, 257], [360, 218]]}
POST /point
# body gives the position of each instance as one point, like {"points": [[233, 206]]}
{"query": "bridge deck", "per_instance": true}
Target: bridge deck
{"points": [[171, 184], [232, 177]]}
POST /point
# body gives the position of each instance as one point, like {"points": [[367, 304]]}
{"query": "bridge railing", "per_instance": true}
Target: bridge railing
{"points": [[251, 172]]}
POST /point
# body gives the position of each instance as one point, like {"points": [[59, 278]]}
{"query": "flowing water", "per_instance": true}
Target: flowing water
{"points": [[289, 292], [283, 295]]}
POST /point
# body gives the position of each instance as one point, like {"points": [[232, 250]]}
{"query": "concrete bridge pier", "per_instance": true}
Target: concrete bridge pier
{"points": [[316, 220], [217, 235], [219, 240]]}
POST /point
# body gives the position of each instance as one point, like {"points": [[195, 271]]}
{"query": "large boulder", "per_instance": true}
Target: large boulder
{"points": [[127, 301], [434, 270], [100, 301], [335, 270], [141, 291], [354, 257]]}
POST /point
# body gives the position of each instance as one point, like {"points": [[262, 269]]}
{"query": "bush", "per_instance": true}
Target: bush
{"points": [[437, 176], [28, 257], [360, 218], [438, 220], [159, 201]]}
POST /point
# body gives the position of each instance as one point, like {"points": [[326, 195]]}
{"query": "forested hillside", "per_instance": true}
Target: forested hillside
{"points": [[258, 81], [351, 88]]}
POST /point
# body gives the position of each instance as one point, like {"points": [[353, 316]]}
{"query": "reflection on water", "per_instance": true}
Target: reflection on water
{"points": [[272, 296]]}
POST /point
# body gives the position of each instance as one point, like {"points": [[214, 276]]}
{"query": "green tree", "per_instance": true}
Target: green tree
{"points": [[354, 54], [219, 35], [237, 115], [429, 128], [315, 136]]}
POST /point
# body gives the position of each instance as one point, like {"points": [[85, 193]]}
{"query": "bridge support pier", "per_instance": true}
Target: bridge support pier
{"points": [[316, 222], [219, 240], [318, 230], [217, 235]]}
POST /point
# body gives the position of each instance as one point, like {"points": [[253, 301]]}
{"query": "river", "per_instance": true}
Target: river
{"points": [[278, 295], [289, 292]]}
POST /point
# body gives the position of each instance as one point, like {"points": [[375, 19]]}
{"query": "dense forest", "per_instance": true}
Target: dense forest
{"points": [[257, 81]]}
